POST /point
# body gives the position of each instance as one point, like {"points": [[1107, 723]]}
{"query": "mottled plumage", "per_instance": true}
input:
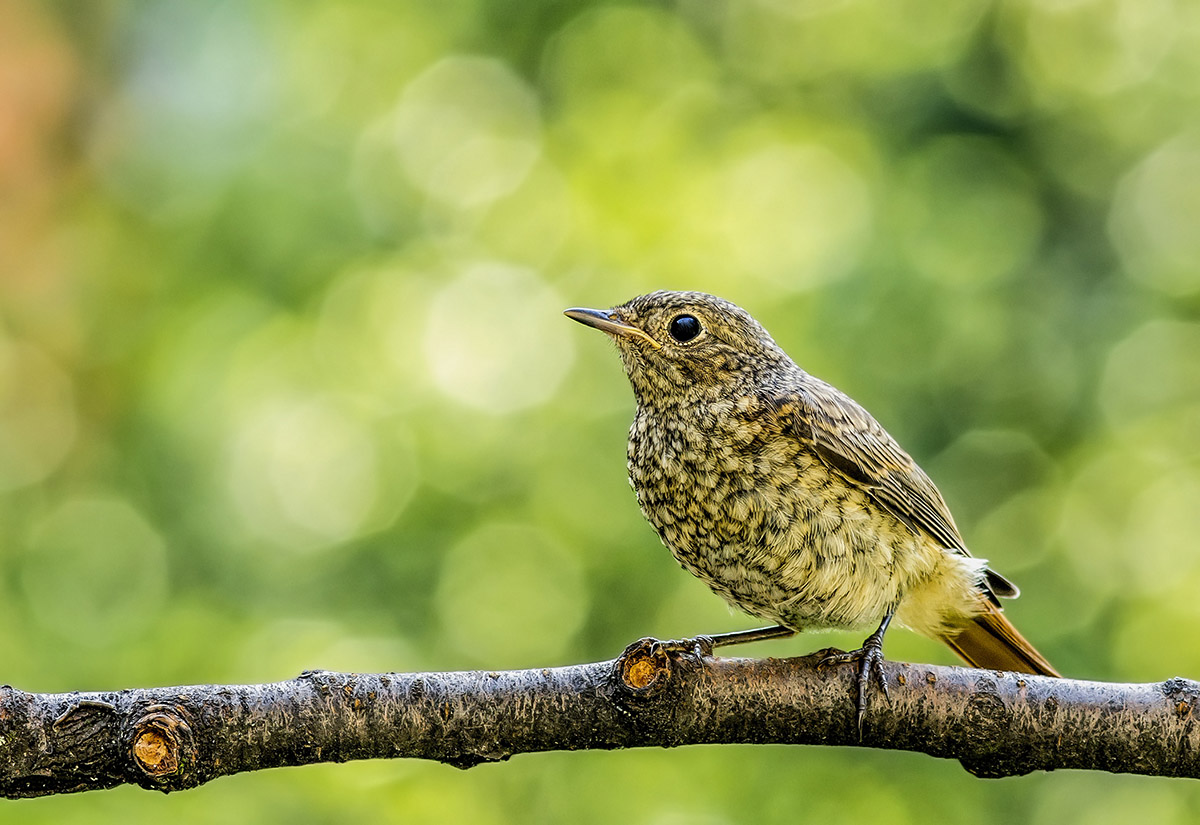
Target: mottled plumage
{"points": [[785, 496]]}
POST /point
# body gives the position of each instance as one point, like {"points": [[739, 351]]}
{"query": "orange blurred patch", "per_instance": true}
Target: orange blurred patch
{"points": [[38, 74]]}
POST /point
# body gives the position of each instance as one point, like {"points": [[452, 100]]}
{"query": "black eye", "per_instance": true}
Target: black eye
{"points": [[684, 328]]}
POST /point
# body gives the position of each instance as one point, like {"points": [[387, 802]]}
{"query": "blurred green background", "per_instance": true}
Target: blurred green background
{"points": [[284, 382]]}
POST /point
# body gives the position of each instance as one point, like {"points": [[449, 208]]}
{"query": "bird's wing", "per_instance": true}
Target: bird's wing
{"points": [[847, 439]]}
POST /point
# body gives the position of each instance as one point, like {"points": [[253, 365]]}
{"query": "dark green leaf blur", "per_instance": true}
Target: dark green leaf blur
{"points": [[284, 382]]}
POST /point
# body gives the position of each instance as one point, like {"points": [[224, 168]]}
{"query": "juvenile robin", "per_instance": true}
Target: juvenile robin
{"points": [[787, 498]]}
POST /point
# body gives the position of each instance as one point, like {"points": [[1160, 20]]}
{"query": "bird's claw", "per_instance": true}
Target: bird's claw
{"points": [[870, 663], [701, 646]]}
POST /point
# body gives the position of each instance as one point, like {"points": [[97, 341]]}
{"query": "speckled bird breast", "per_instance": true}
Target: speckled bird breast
{"points": [[749, 510]]}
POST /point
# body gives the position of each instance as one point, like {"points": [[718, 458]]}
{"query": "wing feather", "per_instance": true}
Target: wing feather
{"points": [[850, 441]]}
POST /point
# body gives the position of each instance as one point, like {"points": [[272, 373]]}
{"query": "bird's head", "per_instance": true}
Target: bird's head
{"points": [[678, 344]]}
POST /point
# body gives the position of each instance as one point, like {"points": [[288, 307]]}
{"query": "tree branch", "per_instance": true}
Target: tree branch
{"points": [[995, 724]]}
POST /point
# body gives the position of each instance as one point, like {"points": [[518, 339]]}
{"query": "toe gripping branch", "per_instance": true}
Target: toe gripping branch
{"points": [[645, 666], [870, 659]]}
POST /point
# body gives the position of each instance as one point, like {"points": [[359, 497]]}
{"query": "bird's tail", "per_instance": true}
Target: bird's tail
{"points": [[990, 641]]}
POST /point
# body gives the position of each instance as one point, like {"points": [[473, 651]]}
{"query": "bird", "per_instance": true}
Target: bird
{"points": [[788, 499]]}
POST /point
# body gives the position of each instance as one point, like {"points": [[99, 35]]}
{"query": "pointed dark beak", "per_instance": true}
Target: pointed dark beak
{"points": [[605, 321]]}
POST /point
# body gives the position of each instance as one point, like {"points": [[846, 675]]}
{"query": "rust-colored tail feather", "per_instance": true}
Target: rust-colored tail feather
{"points": [[990, 641]]}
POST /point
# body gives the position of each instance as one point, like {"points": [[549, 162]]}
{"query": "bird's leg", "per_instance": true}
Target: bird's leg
{"points": [[758, 634], [703, 646], [870, 659]]}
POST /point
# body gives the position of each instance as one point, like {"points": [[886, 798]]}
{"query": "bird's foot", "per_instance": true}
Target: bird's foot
{"points": [[870, 663], [700, 646]]}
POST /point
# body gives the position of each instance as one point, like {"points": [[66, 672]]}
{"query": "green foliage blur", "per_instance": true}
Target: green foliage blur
{"points": [[284, 382]]}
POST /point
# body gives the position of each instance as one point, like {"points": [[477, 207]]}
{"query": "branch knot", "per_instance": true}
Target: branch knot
{"points": [[163, 748]]}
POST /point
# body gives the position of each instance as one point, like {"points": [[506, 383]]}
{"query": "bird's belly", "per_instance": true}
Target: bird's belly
{"points": [[794, 544]]}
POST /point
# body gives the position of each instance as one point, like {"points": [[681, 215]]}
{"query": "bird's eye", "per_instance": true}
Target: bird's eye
{"points": [[684, 328]]}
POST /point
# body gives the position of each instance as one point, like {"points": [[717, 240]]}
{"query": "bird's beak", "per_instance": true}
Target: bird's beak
{"points": [[605, 321]]}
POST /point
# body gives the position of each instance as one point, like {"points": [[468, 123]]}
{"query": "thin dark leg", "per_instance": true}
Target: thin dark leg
{"points": [[870, 659], [703, 645], [758, 634]]}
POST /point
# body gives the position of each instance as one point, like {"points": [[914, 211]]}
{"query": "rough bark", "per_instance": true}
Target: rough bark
{"points": [[996, 724]]}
